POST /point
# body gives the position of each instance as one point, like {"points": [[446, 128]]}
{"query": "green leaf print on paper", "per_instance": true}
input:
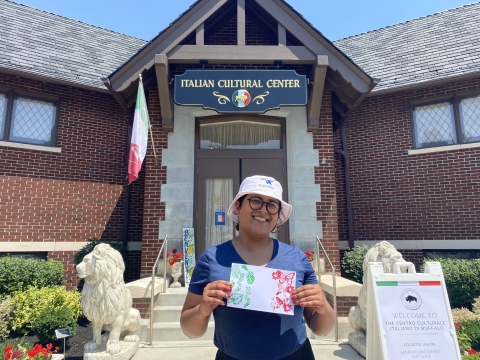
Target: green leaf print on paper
{"points": [[250, 276], [235, 271], [248, 291], [241, 293], [240, 280], [236, 298], [237, 278]]}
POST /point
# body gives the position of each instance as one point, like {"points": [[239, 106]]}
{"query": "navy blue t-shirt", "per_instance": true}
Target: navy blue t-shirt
{"points": [[248, 334]]}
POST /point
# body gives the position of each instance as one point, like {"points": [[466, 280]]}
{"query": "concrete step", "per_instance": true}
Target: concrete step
{"points": [[171, 331], [173, 297], [165, 332], [343, 330], [168, 314], [182, 344], [209, 343]]}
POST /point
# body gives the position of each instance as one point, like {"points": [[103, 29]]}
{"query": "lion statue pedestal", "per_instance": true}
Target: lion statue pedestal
{"points": [[385, 253], [107, 303]]}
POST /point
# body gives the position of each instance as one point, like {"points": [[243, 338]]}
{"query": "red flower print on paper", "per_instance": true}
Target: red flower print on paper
{"points": [[277, 303], [284, 282], [276, 275], [283, 296], [290, 289]]}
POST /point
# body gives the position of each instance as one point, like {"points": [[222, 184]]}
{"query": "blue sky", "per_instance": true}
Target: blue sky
{"points": [[335, 19]]}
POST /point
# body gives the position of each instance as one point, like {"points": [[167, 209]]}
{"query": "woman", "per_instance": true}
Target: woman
{"points": [[258, 209]]}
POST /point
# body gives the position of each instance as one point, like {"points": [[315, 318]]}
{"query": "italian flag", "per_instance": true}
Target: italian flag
{"points": [[138, 143], [408, 283]]}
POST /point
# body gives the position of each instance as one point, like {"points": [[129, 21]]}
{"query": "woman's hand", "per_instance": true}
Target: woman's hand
{"points": [[213, 295], [311, 296], [198, 308], [318, 314]]}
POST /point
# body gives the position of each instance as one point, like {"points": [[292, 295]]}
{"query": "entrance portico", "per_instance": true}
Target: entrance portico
{"points": [[218, 35]]}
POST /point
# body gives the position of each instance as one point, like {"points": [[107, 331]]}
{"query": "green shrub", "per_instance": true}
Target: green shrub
{"points": [[472, 329], [17, 274], [476, 306], [461, 280], [464, 341], [30, 303], [352, 263], [51, 319], [6, 312], [463, 314], [475, 356], [117, 245]]}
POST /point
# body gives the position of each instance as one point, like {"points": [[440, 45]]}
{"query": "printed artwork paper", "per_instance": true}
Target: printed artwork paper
{"points": [[189, 253], [262, 289]]}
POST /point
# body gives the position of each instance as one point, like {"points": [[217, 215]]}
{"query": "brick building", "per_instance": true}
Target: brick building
{"points": [[385, 147]]}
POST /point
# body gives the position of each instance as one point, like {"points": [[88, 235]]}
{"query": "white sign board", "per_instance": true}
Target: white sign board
{"points": [[63, 333], [410, 314]]}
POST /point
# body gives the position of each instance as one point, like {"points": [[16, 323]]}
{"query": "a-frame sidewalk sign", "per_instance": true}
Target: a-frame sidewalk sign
{"points": [[408, 314]]}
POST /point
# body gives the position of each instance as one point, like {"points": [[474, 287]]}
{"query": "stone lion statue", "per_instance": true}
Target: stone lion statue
{"points": [[106, 301], [385, 253]]}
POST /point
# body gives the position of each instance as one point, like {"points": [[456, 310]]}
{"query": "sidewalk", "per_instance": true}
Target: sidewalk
{"points": [[323, 350]]}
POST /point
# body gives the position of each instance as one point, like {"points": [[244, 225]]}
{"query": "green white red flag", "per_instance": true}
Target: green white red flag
{"points": [[138, 143]]}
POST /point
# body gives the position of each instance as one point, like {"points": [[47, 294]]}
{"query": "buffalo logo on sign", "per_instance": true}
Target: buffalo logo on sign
{"points": [[411, 299], [253, 91]]}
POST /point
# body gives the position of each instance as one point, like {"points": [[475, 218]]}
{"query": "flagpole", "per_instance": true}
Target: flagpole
{"points": [[151, 135]]}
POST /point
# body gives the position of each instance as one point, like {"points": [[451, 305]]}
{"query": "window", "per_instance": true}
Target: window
{"points": [[452, 254], [241, 134], [455, 120], [26, 255], [27, 119]]}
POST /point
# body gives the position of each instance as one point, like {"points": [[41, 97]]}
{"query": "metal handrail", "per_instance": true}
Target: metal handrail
{"points": [[152, 291], [319, 244]]}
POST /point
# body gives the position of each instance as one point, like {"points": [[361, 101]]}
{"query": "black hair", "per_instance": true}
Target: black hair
{"points": [[240, 200]]}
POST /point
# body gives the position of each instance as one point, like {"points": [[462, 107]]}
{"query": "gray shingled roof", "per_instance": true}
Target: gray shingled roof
{"points": [[43, 43], [442, 45]]}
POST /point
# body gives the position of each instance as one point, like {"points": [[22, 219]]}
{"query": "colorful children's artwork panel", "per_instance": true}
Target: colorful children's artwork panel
{"points": [[262, 289], [189, 251]]}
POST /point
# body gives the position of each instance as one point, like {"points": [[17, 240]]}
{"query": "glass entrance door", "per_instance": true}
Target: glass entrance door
{"points": [[227, 152], [218, 181], [218, 226]]}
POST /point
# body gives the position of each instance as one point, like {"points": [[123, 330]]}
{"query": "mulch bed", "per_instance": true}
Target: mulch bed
{"points": [[74, 345]]}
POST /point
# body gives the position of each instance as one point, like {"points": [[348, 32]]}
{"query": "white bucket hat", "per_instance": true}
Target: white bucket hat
{"points": [[262, 185]]}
